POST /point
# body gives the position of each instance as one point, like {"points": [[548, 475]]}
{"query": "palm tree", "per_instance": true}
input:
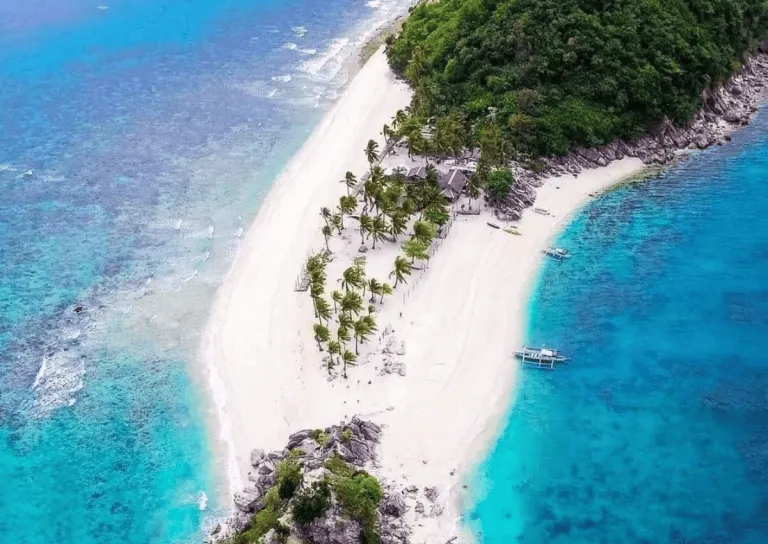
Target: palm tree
{"points": [[349, 358], [359, 263], [316, 291], [387, 132], [347, 205], [327, 233], [371, 153], [326, 214], [386, 289], [352, 303], [351, 278], [424, 231], [350, 181], [371, 309], [323, 309], [400, 119], [398, 224], [374, 287], [371, 322], [365, 227], [322, 335], [474, 185], [334, 348], [401, 270], [415, 249], [336, 296], [378, 229], [361, 332], [336, 221]]}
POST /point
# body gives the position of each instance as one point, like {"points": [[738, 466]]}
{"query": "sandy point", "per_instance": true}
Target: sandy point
{"points": [[456, 322]]}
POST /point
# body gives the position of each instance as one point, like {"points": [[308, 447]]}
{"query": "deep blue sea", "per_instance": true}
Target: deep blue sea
{"points": [[657, 430], [137, 139]]}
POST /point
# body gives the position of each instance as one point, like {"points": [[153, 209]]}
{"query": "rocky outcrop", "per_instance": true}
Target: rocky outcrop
{"points": [[722, 112], [355, 442]]}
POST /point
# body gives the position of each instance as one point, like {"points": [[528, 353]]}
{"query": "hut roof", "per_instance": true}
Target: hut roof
{"points": [[417, 173], [452, 184]]}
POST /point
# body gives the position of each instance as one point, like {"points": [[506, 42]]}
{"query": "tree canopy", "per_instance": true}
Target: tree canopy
{"points": [[553, 74]]}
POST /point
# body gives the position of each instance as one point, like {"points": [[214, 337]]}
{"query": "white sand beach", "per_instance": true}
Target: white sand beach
{"points": [[455, 325]]}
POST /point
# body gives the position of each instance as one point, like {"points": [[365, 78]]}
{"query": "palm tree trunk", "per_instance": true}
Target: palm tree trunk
{"points": [[319, 346], [382, 297], [356, 350]]}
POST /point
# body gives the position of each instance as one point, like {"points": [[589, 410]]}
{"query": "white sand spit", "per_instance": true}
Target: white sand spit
{"points": [[460, 321]]}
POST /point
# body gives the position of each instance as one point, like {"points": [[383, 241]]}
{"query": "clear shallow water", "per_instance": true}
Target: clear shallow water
{"points": [[657, 431], [137, 139]]}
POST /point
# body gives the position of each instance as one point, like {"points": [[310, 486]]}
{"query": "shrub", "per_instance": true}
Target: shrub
{"points": [[262, 522], [289, 477], [339, 467], [359, 497], [346, 436], [321, 437], [312, 502]]}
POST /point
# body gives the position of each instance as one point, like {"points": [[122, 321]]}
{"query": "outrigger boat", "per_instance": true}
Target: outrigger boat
{"points": [[540, 357], [556, 253]]}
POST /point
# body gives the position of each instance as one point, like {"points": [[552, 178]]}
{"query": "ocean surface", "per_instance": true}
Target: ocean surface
{"points": [[137, 139], [657, 430]]}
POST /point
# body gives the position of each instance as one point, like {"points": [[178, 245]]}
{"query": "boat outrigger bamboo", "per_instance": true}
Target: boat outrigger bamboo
{"points": [[556, 253], [540, 357]]}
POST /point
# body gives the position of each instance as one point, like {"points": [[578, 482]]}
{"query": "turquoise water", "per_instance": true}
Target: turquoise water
{"points": [[657, 431], [137, 139]]}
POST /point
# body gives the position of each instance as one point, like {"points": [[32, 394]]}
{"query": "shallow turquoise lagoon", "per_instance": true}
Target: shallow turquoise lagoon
{"points": [[657, 431]]}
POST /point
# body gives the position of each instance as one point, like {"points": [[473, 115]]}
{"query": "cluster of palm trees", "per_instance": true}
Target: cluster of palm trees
{"points": [[389, 204], [351, 317]]}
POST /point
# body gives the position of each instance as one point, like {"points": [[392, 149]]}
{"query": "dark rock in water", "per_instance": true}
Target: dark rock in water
{"points": [[297, 438], [79, 309]]}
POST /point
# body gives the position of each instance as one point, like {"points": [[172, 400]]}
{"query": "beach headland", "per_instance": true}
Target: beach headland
{"points": [[452, 328], [460, 319]]}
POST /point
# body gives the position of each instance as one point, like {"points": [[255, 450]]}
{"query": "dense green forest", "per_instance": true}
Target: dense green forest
{"points": [[552, 74]]}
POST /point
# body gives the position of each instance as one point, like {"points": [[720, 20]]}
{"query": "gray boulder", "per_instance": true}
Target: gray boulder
{"points": [[393, 505], [431, 493], [297, 438], [257, 457], [247, 499], [333, 529]]}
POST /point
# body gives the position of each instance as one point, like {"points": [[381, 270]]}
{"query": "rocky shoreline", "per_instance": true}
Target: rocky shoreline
{"points": [[723, 111], [317, 452]]}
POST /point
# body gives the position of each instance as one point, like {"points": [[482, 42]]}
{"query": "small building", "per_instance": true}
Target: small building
{"points": [[417, 173], [452, 184]]}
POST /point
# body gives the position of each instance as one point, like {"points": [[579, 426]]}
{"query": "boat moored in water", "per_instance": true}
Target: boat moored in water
{"points": [[540, 357], [556, 253]]}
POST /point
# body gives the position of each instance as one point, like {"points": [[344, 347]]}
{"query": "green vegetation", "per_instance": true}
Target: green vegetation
{"points": [[388, 206], [346, 436], [312, 502], [339, 467], [359, 497], [262, 522], [289, 477], [537, 77], [498, 185]]}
